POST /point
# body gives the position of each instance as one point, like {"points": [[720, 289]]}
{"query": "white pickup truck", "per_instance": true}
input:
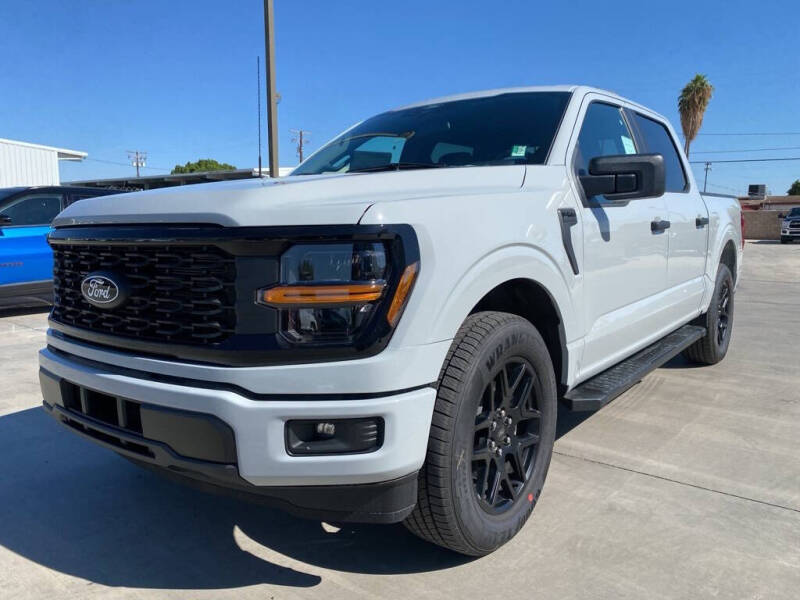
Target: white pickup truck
{"points": [[384, 335]]}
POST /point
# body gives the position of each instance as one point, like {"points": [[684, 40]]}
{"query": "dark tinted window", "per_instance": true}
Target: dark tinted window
{"points": [[603, 133], [33, 210], [507, 129], [659, 141]]}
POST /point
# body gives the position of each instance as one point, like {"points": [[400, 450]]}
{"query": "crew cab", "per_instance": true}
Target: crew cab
{"points": [[384, 335], [26, 261]]}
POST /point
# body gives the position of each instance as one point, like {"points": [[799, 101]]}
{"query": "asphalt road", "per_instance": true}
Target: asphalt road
{"points": [[688, 486]]}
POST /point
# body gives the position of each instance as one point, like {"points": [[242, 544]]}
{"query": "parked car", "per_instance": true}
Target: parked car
{"points": [[384, 335], [790, 225], [26, 260]]}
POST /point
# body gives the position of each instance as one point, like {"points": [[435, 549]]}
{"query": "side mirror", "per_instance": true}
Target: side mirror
{"points": [[5, 219], [780, 216], [625, 176]]}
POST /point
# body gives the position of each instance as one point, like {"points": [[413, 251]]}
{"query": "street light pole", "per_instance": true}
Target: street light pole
{"points": [[272, 108]]}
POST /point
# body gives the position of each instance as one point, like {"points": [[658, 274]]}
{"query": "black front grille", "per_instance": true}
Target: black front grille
{"points": [[794, 224], [182, 294]]}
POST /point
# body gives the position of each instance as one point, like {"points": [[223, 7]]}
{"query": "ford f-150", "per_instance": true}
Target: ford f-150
{"points": [[385, 334]]}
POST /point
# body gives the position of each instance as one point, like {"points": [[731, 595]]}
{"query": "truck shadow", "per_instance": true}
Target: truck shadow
{"points": [[83, 511]]}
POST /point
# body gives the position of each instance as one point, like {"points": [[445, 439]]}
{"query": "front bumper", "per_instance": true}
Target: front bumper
{"points": [[262, 464]]}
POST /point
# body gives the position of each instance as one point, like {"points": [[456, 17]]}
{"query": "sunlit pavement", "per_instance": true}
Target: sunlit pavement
{"points": [[688, 486]]}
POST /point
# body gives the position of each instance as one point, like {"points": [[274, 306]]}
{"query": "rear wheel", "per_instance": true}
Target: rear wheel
{"points": [[718, 322], [491, 437]]}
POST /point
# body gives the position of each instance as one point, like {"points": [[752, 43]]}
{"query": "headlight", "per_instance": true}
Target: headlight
{"points": [[333, 293]]}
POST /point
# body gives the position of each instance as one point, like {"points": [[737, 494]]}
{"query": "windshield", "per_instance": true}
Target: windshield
{"points": [[507, 129], [795, 212]]}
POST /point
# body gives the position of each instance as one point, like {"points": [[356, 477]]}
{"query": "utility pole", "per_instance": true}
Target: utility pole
{"points": [[272, 105], [705, 180], [138, 159], [258, 77], [301, 138]]}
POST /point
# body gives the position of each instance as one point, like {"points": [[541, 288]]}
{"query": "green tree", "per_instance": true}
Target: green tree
{"points": [[795, 189], [202, 165], [692, 105]]}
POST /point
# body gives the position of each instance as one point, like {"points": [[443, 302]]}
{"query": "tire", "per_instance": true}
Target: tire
{"points": [[718, 321], [492, 353], [784, 240]]}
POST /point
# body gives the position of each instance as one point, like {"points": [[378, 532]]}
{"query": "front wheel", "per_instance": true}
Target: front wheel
{"points": [[491, 438], [718, 321]]}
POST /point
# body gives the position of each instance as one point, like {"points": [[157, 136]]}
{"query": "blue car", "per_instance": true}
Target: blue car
{"points": [[26, 261]]}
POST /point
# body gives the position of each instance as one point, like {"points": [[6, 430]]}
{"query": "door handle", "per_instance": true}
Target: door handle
{"points": [[701, 221], [568, 219], [659, 225]]}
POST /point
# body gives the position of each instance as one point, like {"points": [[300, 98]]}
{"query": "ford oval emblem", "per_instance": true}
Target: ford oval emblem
{"points": [[103, 290]]}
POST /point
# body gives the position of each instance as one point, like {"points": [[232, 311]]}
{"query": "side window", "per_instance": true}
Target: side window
{"points": [[603, 133], [33, 210], [659, 141]]}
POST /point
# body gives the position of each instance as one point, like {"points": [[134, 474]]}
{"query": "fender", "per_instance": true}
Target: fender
{"points": [[516, 261]]}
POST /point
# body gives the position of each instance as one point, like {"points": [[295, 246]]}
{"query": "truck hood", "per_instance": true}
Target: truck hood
{"points": [[303, 200]]}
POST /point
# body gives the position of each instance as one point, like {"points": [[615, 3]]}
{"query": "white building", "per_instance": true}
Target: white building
{"points": [[22, 163]]}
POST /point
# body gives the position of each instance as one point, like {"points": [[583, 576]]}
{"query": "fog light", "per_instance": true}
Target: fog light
{"points": [[326, 429], [339, 436]]}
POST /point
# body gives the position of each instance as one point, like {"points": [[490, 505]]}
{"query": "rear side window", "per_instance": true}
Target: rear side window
{"points": [[659, 141], [603, 133]]}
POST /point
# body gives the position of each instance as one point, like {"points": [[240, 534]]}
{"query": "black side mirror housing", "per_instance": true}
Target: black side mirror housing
{"points": [[781, 216], [625, 177], [5, 219]]}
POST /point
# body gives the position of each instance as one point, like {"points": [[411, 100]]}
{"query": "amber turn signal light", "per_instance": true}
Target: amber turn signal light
{"points": [[314, 295], [402, 293]]}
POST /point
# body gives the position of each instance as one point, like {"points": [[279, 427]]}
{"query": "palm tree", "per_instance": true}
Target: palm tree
{"points": [[692, 105]]}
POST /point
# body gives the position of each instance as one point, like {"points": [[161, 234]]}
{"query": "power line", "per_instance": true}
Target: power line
{"points": [[123, 164], [745, 150], [755, 133], [743, 160]]}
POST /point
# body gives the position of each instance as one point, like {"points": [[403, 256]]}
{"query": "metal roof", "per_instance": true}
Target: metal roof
{"points": [[63, 153]]}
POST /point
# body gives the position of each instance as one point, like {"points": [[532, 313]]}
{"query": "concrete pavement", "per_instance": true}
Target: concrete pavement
{"points": [[687, 486]]}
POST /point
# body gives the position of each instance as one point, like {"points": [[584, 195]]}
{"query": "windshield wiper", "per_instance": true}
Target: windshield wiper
{"points": [[397, 167]]}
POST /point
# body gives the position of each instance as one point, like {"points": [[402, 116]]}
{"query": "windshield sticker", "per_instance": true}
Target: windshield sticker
{"points": [[627, 143], [518, 151]]}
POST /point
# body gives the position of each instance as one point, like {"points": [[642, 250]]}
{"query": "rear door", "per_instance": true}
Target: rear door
{"points": [[625, 262], [687, 215], [25, 256]]}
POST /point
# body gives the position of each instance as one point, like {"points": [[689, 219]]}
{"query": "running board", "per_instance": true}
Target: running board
{"points": [[595, 393]]}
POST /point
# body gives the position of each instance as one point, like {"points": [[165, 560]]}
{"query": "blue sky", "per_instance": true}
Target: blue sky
{"points": [[177, 78]]}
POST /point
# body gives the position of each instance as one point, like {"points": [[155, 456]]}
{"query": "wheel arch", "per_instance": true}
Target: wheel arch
{"points": [[532, 301], [728, 257], [521, 280]]}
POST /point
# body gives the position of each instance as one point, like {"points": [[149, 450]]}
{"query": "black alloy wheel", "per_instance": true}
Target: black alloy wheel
{"points": [[506, 435]]}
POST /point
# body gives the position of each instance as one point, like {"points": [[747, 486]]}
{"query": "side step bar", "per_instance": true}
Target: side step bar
{"points": [[601, 389]]}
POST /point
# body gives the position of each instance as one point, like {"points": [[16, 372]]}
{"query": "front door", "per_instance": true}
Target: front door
{"points": [[25, 257], [625, 262]]}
